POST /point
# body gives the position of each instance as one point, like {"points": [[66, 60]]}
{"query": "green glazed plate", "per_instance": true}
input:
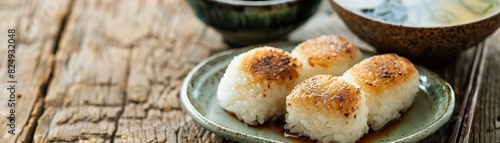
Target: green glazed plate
{"points": [[431, 110]]}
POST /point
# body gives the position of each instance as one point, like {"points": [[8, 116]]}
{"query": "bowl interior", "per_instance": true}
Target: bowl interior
{"points": [[423, 13]]}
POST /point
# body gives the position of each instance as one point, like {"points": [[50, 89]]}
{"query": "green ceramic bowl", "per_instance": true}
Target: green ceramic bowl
{"points": [[250, 22], [432, 107]]}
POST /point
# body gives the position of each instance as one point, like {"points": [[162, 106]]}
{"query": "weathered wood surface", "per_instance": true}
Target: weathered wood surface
{"points": [[37, 26], [111, 72], [485, 124], [118, 72]]}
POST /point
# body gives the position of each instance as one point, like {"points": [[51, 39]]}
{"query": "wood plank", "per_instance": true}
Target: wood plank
{"points": [[153, 112], [37, 25], [85, 96], [118, 72], [485, 126]]}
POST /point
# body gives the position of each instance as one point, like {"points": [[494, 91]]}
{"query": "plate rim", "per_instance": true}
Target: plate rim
{"points": [[216, 128], [446, 116]]}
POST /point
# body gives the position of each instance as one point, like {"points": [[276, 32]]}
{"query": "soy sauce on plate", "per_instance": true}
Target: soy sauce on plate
{"points": [[277, 126]]}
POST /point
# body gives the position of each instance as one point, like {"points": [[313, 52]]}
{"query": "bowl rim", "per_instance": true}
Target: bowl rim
{"points": [[497, 13], [255, 3]]}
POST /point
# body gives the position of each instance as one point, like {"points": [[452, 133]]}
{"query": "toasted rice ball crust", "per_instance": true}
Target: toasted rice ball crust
{"points": [[329, 54], [327, 109], [390, 83], [256, 83]]}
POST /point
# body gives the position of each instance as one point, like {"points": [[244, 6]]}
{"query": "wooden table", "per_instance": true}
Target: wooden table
{"points": [[110, 71]]}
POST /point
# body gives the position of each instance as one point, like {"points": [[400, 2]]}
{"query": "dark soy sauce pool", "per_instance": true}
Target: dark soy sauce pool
{"points": [[372, 136], [277, 127]]}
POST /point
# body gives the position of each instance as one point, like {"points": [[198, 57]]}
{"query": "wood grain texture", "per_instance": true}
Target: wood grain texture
{"points": [[118, 72], [485, 126], [118, 68], [37, 25]]}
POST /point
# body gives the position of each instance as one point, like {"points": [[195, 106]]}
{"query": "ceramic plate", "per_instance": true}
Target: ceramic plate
{"points": [[432, 108]]}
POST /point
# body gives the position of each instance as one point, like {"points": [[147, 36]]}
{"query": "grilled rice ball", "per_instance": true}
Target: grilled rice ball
{"points": [[390, 83]]}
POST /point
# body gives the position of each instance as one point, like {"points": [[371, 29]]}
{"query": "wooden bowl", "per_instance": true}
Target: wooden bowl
{"points": [[427, 45]]}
